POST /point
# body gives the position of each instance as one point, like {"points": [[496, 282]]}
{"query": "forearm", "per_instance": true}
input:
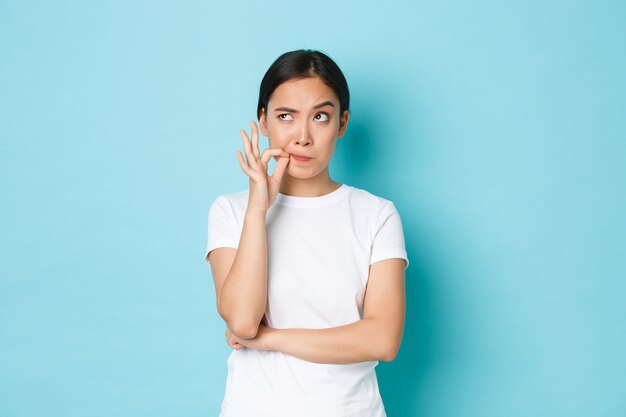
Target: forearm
{"points": [[243, 295], [364, 340]]}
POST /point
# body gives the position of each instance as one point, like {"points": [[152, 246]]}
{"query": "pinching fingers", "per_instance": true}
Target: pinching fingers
{"points": [[280, 168], [268, 153]]}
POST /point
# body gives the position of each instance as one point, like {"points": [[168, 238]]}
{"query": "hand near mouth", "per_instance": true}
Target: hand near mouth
{"points": [[263, 187]]}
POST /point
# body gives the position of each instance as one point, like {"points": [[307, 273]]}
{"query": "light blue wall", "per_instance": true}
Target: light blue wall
{"points": [[497, 128]]}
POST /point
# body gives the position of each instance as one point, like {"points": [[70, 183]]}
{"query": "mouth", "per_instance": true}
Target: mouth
{"points": [[300, 158]]}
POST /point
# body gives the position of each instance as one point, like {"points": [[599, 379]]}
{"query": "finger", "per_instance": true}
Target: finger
{"points": [[255, 139], [279, 170], [268, 153], [244, 167], [250, 158]]}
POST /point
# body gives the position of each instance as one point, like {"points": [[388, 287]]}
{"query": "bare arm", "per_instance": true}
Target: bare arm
{"points": [[376, 337], [241, 277], [240, 274], [364, 340]]}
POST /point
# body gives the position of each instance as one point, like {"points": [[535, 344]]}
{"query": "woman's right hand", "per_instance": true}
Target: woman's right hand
{"points": [[232, 340], [263, 188]]}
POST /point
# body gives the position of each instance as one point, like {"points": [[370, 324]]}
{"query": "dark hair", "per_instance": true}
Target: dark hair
{"points": [[304, 63]]}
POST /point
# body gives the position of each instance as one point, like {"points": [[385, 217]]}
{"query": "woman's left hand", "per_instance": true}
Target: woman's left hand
{"points": [[262, 340]]}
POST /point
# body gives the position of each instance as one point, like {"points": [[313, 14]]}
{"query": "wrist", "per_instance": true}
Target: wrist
{"points": [[255, 212]]}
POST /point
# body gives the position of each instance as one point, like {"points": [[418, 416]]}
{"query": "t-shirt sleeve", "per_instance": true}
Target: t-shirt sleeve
{"points": [[389, 236], [223, 229]]}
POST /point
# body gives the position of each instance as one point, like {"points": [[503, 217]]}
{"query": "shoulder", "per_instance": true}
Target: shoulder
{"points": [[236, 198], [234, 203], [362, 199]]}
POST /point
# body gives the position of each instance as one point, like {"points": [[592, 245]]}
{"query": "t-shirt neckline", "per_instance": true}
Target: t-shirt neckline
{"points": [[322, 200]]}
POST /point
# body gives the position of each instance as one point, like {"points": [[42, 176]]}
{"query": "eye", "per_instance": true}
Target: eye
{"points": [[324, 117], [280, 116]]}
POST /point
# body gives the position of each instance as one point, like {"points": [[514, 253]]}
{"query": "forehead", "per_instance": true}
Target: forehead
{"points": [[304, 91]]}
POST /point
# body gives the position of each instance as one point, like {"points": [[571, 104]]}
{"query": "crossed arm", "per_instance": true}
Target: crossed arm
{"points": [[376, 337]]}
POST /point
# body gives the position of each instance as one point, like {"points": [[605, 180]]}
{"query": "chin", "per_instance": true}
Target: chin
{"points": [[301, 173]]}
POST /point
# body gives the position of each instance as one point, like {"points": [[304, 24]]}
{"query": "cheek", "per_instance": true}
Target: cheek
{"points": [[331, 131], [279, 136]]}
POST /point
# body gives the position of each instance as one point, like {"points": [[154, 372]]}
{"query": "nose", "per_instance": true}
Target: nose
{"points": [[305, 138]]}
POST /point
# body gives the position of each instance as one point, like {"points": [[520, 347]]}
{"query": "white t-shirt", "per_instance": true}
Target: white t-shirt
{"points": [[319, 253]]}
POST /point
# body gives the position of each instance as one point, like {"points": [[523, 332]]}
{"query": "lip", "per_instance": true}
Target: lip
{"points": [[300, 158]]}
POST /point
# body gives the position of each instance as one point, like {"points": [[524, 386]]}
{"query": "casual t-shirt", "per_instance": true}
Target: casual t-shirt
{"points": [[319, 253]]}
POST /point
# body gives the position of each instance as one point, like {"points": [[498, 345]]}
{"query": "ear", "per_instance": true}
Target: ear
{"points": [[263, 122], [343, 123]]}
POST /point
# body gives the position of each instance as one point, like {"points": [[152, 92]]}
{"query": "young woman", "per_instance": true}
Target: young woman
{"points": [[309, 272]]}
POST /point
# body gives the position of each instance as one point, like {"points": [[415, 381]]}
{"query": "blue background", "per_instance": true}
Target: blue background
{"points": [[497, 128]]}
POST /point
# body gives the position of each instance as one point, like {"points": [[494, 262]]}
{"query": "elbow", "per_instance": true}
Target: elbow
{"points": [[389, 352], [244, 328], [386, 343], [389, 357], [245, 331], [240, 328]]}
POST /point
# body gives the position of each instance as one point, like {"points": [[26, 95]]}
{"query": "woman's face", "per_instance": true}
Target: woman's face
{"points": [[303, 119]]}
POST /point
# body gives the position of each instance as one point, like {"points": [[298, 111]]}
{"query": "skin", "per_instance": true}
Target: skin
{"points": [[296, 124]]}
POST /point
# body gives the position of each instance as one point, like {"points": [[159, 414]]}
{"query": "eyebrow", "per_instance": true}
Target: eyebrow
{"points": [[317, 106]]}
